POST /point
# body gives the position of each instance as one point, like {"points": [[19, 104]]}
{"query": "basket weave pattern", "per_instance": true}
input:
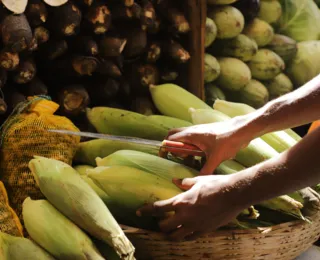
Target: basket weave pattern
{"points": [[282, 242]]}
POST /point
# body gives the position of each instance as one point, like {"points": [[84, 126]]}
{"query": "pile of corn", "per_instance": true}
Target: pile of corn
{"points": [[128, 175]]}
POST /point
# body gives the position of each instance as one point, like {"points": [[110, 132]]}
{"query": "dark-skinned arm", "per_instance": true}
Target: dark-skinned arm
{"points": [[221, 141], [212, 201]]}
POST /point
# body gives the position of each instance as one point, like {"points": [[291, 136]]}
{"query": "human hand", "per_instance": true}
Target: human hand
{"points": [[208, 203], [219, 141]]}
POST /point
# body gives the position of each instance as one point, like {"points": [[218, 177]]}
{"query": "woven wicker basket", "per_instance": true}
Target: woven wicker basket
{"points": [[282, 242]]}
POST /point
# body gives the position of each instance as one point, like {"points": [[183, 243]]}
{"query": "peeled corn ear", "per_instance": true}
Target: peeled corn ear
{"points": [[132, 187], [18, 248], [69, 193], [172, 100], [55, 233], [156, 165]]}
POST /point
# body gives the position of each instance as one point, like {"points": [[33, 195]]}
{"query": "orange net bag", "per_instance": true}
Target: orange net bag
{"points": [[25, 135], [9, 221]]}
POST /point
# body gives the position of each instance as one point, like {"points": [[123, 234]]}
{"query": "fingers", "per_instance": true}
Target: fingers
{"points": [[185, 184], [180, 233], [209, 167], [175, 130], [157, 209], [169, 224]]}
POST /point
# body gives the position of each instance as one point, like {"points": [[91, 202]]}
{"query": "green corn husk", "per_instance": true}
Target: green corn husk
{"points": [[18, 248], [280, 139], [310, 200], [146, 162], [131, 186], [257, 151], [169, 122], [285, 204], [56, 233], [87, 152], [69, 193]]}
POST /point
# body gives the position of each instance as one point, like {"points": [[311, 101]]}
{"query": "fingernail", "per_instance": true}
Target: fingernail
{"points": [[138, 213]]}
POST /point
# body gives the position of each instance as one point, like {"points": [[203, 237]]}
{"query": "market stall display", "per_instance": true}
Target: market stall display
{"points": [[259, 50]]}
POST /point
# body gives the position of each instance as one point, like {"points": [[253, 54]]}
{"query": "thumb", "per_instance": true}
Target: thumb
{"points": [[185, 184]]}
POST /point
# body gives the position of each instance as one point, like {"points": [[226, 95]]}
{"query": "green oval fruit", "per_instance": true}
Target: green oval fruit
{"points": [[229, 21], [260, 31], [211, 32], [221, 2], [240, 47], [279, 86], [270, 11], [284, 46], [254, 94], [234, 74], [266, 65], [211, 68], [212, 93]]}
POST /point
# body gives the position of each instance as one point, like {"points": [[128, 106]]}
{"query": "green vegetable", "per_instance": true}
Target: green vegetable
{"points": [[284, 46], [279, 86], [234, 74], [211, 68], [270, 11], [300, 20], [305, 66], [254, 94], [211, 32], [229, 21], [266, 65], [212, 93], [260, 31]]}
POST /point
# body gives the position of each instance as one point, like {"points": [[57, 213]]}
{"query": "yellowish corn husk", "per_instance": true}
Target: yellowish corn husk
{"points": [[69, 193], [56, 233], [82, 169], [88, 151], [146, 162], [20, 248], [126, 123], [234, 109], [131, 186], [172, 100]]}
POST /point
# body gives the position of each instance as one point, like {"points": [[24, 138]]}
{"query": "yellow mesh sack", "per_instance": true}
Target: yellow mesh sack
{"points": [[9, 221], [24, 135]]}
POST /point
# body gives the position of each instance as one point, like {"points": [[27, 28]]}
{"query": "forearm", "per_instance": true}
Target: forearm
{"points": [[299, 107], [297, 168]]}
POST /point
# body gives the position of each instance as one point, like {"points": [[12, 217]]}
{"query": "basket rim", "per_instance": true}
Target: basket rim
{"points": [[296, 224]]}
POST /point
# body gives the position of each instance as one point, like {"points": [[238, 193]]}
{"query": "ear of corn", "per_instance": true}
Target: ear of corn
{"points": [[115, 121], [229, 167], [132, 187], [310, 200], [18, 248], [56, 233], [257, 150], [82, 169], [88, 151], [169, 122], [69, 193], [172, 100], [146, 162], [233, 109]]}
